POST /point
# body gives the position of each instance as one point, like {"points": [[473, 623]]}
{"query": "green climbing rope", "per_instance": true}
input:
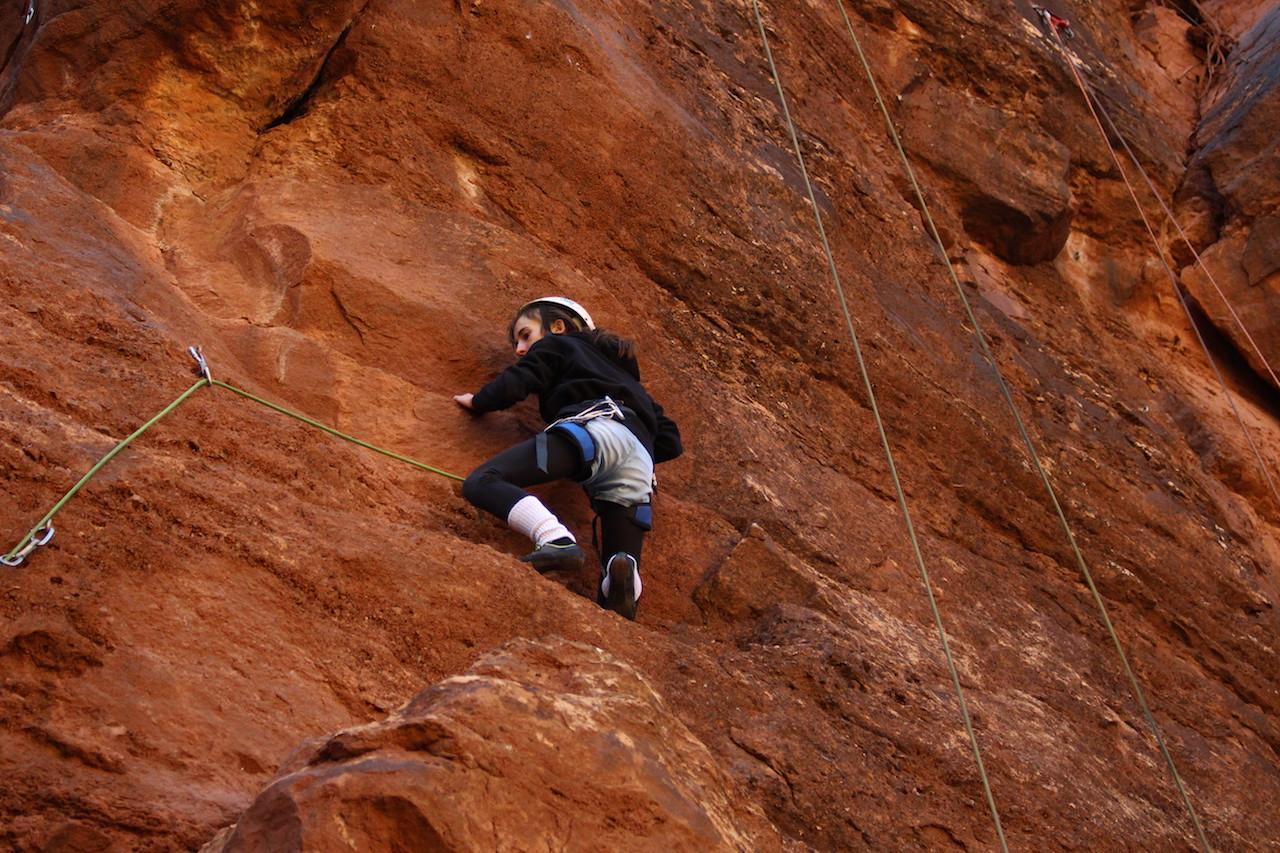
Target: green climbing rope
{"points": [[30, 540], [334, 432], [98, 466], [884, 437]]}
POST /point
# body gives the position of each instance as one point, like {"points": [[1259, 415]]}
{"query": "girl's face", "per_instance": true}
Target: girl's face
{"points": [[527, 332]]}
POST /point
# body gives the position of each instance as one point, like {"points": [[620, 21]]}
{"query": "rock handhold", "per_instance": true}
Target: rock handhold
{"points": [[540, 745], [757, 575]]}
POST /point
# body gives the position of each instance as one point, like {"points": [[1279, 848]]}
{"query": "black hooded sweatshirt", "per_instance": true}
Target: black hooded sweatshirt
{"points": [[568, 373]]}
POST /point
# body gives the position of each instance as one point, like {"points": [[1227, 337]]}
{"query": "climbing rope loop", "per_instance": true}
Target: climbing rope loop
{"points": [[884, 438], [42, 532]]}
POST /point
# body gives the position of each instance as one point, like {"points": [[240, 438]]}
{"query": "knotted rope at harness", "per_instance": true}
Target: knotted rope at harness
{"points": [[572, 425]]}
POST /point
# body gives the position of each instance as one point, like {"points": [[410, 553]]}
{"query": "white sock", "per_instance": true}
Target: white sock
{"points": [[534, 520], [604, 585]]}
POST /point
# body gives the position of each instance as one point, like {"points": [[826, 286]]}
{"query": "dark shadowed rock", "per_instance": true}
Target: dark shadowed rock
{"points": [[1010, 178]]}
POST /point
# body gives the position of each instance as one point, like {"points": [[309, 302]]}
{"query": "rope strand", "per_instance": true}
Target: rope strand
{"points": [[208, 382], [98, 466], [1083, 566], [337, 433], [1187, 240], [884, 438], [1090, 99]]}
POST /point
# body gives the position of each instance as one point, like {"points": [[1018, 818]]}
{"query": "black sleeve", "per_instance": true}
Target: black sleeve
{"points": [[666, 441], [532, 374], [632, 366]]}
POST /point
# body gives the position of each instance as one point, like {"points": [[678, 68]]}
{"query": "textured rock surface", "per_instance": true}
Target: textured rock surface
{"points": [[344, 201], [1011, 188], [481, 762], [1233, 182]]}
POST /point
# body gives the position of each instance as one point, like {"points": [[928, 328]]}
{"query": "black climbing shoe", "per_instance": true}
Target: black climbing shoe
{"points": [[622, 576], [558, 554]]}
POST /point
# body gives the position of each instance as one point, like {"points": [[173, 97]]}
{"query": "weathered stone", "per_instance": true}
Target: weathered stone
{"points": [[1237, 152], [756, 576], [1261, 255], [343, 202], [1010, 178], [540, 745]]}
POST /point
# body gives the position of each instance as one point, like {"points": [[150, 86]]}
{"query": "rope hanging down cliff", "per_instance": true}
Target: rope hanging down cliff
{"points": [[884, 438], [980, 336], [43, 530], [1095, 106]]}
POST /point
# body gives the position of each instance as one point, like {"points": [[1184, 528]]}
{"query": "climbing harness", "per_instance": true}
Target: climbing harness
{"points": [[574, 428], [42, 532], [880, 427]]}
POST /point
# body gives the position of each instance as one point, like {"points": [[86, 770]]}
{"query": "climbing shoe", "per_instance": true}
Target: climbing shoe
{"points": [[620, 587], [561, 553]]}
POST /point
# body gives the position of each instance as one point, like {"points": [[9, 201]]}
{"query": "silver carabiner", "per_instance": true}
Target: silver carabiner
{"points": [[37, 540], [198, 354], [48, 534]]}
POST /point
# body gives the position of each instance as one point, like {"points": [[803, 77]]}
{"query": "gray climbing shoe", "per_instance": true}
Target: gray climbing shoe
{"points": [[549, 556]]}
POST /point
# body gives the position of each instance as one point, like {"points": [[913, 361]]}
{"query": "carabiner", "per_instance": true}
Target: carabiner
{"points": [[48, 534], [202, 366], [38, 539]]}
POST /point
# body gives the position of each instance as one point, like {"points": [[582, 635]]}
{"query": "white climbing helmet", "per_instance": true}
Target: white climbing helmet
{"points": [[563, 302]]}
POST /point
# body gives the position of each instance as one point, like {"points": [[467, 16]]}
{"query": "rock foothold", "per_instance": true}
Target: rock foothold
{"points": [[564, 745]]}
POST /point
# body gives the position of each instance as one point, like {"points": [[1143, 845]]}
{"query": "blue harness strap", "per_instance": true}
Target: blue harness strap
{"points": [[577, 433]]}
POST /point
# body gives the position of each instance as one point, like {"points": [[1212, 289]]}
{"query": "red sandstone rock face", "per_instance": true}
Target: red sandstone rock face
{"points": [[491, 759], [343, 203], [1236, 147]]}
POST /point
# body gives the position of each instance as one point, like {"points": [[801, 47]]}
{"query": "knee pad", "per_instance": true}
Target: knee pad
{"points": [[641, 515]]}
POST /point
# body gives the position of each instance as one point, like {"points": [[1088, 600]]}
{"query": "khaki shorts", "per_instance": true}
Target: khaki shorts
{"points": [[622, 472]]}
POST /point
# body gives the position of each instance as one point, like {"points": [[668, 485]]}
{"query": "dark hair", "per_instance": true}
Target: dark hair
{"points": [[611, 344]]}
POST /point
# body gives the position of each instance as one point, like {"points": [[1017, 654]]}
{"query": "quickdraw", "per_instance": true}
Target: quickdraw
{"points": [[42, 537], [202, 366]]}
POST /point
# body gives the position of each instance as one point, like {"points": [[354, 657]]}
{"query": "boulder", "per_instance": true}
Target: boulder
{"points": [[756, 576], [540, 745]]}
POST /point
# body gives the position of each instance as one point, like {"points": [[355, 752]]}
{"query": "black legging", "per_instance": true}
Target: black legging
{"points": [[497, 485]]}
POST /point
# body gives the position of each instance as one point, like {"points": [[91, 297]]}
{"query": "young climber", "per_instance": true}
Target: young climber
{"points": [[605, 432]]}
